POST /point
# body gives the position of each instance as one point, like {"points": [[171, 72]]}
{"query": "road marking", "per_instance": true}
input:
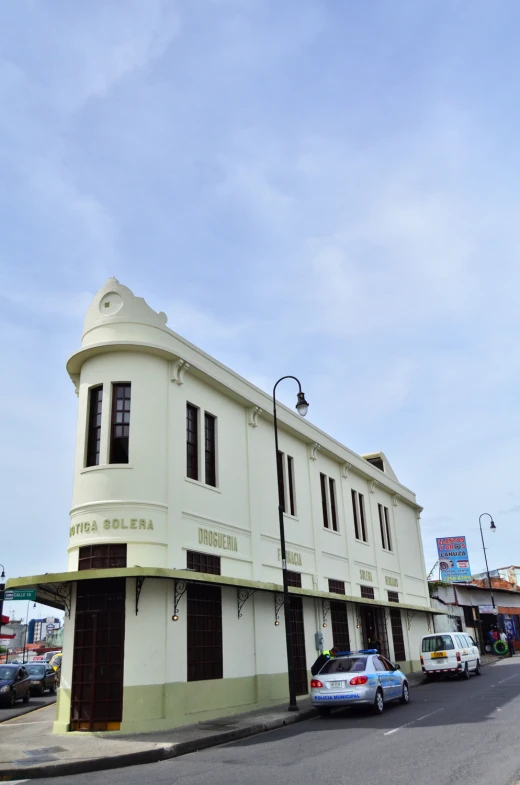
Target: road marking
{"points": [[407, 724], [515, 676]]}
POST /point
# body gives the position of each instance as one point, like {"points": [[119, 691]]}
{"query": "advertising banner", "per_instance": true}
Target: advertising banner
{"points": [[487, 609], [453, 559]]}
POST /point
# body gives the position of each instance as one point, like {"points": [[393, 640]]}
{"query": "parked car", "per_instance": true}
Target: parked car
{"points": [[42, 676], [358, 678], [448, 653], [15, 684]]}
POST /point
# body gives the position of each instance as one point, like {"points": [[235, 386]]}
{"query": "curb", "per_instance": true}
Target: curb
{"points": [[28, 710], [164, 752]]}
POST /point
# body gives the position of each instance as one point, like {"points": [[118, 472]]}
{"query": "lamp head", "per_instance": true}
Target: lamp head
{"points": [[492, 526], [302, 407], [2, 575]]}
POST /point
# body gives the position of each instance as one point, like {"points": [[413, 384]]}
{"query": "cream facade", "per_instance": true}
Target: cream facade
{"points": [[183, 495]]}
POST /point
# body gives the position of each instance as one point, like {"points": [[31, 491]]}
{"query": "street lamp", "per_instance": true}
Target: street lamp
{"points": [[492, 528], [302, 407]]}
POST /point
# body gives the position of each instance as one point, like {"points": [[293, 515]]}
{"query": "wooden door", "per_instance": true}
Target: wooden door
{"points": [[298, 638], [99, 641]]}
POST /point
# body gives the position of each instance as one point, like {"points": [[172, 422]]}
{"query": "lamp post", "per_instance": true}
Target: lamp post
{"points": [[493, 528], [302, 407]]}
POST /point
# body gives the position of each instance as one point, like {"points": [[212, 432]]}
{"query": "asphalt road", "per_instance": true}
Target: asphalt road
{"points": [[458, 731], [20, 708]]}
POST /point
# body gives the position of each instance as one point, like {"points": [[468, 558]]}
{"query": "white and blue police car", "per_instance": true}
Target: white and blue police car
{"points": [[355, 678]]}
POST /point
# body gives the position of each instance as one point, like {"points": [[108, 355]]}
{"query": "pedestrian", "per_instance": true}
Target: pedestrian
{"points": [[322, 659], [503, 636], [376, 644], [511, 643]]}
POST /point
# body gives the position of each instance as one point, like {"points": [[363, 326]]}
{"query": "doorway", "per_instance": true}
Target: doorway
{"points": [[97, 670], [373, 628]]}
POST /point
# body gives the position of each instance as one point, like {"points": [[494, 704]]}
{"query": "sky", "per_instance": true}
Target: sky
{"points": [[324, 188]]}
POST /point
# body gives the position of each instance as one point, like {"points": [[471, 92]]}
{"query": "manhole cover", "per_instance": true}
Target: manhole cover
{"points": [[36, 759], [44, 751]]}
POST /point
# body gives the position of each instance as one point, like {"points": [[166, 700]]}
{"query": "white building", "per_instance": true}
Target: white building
{"points": [[174, 537]]}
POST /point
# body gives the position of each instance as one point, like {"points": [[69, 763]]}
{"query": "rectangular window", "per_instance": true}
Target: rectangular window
{"points": [[355, 512], [339, 621], [393, 596], [387, 526], [204, 632], [367, 592], [336, 587], [384, 525], [120, 429], [290, 483], [281, 481], [192, 442], [328, 502], [102, 557], [469, 619], [358, 508], [94, 425], [333, 509], [324, 502], [210, 449], [294, 579], [362, 517], [203, 562]]}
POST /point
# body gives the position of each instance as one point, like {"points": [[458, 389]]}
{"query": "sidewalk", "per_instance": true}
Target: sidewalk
{"points": [[29, 750]]}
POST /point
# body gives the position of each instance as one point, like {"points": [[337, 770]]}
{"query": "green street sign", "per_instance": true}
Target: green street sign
{"points": [[19, 594]]}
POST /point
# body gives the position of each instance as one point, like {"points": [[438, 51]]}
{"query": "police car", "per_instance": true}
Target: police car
{"points": [[358, 677]]}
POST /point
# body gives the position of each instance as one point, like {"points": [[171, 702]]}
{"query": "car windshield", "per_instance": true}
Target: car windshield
{"points": [[437, 643], [345, 665], [8, 673], [36, 668]]}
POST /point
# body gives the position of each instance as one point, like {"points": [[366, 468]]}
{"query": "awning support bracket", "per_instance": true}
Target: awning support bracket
{"points": [[243, 594], [138, 586], [325, 610], [59, 592], [409, 617], [278, 602], [179, 590]]}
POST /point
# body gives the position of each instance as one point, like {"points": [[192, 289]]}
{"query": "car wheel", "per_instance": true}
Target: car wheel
{"points": [[478, 672], [405, 697], [379, 705], [324, 711], [465, 672], [26, 698]]}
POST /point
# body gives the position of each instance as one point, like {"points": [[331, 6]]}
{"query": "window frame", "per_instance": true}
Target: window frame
{"points": [[358, 509], [384, 526], [291, 485], [99, 551], [294, 579], [336, 587], [324, 500], [199, 561], [115, 441], [91, 428], [204, 633], [367, 592]]}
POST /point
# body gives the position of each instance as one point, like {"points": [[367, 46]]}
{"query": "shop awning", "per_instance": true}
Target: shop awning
{"points": [[54, 589]]}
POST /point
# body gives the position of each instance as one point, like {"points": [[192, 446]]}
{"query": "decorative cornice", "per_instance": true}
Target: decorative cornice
{"points": [[373, 486], [178, 370], [252, 416], [313, 451], [396, 498], [345, 468], [74, 377]]}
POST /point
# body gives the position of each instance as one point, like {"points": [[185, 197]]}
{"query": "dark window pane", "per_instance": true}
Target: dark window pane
{"points": [[337, 587], [381, 524], [281, 484], [387, 529], [290, 480], [119, 434], [294, 579], [203, 562], [94, 426], [210, 449], [100, 557], [354, 510], [362, 517], [367, 592], [393, 596], [333, 510], [192, 442], [323, 485]]}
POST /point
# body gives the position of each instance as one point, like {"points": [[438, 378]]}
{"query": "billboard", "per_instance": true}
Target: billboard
{"points": [[453, 559]]}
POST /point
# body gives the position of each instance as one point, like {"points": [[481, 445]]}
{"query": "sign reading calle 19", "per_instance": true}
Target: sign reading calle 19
{"points": [[90, 527]]}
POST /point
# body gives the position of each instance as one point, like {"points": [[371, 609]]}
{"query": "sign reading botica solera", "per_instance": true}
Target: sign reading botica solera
{"points": [[89, 527]]}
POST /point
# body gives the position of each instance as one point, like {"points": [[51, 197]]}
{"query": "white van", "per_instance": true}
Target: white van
{"points": [[448, 653]]}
